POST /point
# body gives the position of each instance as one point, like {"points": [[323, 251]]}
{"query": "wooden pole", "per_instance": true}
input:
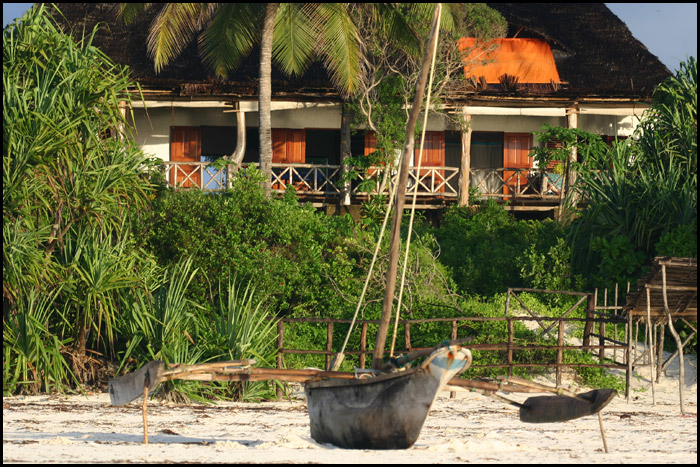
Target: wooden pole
{"points": [[399, 201], [651, 350], [560, 351], [590, 308], [465, 160], [345, 153], [363, 344], [679, 343], [510, 346], [629, 353], [602, 432], [144, 410]]}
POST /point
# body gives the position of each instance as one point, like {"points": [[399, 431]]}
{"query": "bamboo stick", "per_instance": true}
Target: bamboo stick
{"points": [[144, 409]]}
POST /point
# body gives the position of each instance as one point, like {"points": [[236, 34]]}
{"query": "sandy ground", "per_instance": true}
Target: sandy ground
{"points": [[469, 428]]}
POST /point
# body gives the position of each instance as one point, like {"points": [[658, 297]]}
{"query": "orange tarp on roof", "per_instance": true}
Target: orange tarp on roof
{"points": [[531, 60]]}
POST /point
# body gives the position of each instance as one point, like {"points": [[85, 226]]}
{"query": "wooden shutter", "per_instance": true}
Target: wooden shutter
{"points": [[433, 156], [185, 146], [516, 154], [288, 146]]}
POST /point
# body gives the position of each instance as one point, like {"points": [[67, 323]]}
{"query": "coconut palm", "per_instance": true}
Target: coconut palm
{"points": [[290, 34]]}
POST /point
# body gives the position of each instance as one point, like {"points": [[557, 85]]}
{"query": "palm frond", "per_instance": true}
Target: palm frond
{"points": [[129, 11], [231, 35], [339, 46], [294, 37], [173, 28]]}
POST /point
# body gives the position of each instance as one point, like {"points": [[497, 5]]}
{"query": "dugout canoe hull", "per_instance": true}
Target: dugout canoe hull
{"points": [[384, 412]]}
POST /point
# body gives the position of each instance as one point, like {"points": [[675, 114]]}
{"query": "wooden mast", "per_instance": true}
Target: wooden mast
{"points": [[399, 199]]}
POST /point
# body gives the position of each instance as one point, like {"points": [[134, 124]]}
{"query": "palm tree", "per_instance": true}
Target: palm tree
{"points": [[290, 34]]}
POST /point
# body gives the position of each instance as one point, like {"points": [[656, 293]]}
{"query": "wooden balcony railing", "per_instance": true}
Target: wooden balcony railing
{"points": [[324, 181]]}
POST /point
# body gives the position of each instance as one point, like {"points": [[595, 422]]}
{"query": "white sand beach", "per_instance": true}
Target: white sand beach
{"points": [[468, 428]]}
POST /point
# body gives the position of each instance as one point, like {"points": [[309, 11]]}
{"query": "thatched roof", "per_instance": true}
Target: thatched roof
{"points": [[681, 290], [594, 51], [186, 75]]}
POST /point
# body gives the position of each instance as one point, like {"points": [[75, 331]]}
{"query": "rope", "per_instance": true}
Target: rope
{"points": [[415, 187]]}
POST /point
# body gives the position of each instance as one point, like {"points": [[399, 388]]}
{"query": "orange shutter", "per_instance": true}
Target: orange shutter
{"points": [[370, 142], [516, 154], [433, 156], [288, 146], [185, 146]]}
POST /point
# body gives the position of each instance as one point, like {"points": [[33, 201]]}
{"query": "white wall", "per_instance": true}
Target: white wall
{"points": [[153, 125]]}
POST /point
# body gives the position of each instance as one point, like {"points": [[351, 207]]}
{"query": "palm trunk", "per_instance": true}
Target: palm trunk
{"points": [[265, 96]]}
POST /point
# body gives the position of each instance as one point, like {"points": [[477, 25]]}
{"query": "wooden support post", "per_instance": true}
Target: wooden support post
{"points": [[615, 325], [345, 154], [363, 345], [144, 410], [602, 432], [280, 357], [650, 349], [601, 329], [407, 335], [569, 175], [629, 355], [679, 343], [590, 308], [465, 159], [329, 345], [659, 352], [510, 346], [453, 336], [560, 351]]}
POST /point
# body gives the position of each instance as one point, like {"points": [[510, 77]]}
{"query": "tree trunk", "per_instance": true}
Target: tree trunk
{"points": [[345, 153], [236, 158], [265, 96]]}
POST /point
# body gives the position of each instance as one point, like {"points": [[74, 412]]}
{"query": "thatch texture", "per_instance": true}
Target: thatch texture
{"points": [[594, 50], [186, 75], [595, 54]]}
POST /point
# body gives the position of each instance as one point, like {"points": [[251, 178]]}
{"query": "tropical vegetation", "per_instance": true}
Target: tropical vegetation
{"points": [[105, 268]]}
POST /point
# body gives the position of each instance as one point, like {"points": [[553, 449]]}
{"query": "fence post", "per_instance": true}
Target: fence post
{"points": [[453, 336], [560, 351], [280, 357], [590, 308], [329, 344], [407, 335], [363, 344], [601, 329], [510, 345]]}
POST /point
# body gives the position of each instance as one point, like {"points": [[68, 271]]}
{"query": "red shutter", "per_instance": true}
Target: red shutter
{"points": [[185, 146]]}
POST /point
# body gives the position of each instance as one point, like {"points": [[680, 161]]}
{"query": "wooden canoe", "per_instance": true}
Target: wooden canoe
{"points": [[384, 412]]}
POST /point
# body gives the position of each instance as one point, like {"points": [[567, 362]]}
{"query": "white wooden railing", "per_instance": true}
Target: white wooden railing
{"points": [[324, 180]]}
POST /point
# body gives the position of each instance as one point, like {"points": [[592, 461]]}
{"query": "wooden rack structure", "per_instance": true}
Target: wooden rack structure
{"points": [[668, 293]]}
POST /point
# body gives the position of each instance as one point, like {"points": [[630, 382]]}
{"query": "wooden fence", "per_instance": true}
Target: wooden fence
{"points": [[507, 348]]}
